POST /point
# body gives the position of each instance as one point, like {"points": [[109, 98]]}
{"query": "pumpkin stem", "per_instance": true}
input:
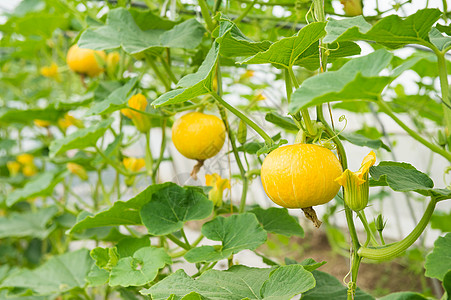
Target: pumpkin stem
{"points": [[310, 214], [196, 169]]}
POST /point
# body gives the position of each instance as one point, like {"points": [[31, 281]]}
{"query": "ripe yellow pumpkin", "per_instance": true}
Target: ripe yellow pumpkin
{"points": [[301, 175], [198, 136], [84, 61]]}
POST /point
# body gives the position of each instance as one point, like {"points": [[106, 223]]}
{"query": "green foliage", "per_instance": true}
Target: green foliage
{"points": [[438, 262]]}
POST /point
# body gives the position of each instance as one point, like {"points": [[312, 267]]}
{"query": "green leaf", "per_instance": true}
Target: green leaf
{"points": [[361, 140], [28, 224], [97, 276], [278, 220], [392, 31], [329, 287], [122, 212], [59, 274], [234, 43], [447, 283], [438, 262], [41, 185], [105, 258], [442, 43], [403, 177], [129, 245], [237, 232], [27, 116], [404, 296], [286, 51], [309, 263], [440, 220], [116, 100], [39, 24], [146, 20], [213, 284], [192, 296], [286, 282], [283, 122], [193, 85], [121, 30], [357, 79], [171, 207], [140, 269], [80, 139]]}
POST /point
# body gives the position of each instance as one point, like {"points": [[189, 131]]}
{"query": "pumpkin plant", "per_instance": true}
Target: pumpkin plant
{"points": [[88, 210]]}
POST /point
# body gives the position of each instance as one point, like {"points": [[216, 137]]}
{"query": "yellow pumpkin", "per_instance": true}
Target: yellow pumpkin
{"points": [[84, 61]]}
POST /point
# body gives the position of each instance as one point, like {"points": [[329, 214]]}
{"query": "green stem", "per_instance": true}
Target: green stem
{"points": [[163, 80], [162, 147], [237, 158], [393, 250], [206, 15], [245, 119], [178, 242], [111, 163], [245, 12], [304, 112], [437, 149], [444, 87], [168, 70], [382, 238], [185, 238], [369, 232], [149, 157]]}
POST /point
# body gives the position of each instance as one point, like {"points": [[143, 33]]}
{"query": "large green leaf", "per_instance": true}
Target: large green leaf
{"points": [[392, 31], [358, 79], [122, 212], [116, 100], [237, 232], [41, 185], [278, 220], [140, 269], [438, 262], [59, 274], [193, 85], [28, 224], [404, 296], [80, 139], [286, 51], [443, 43], [171, 207], [27, 116], [121, 30], [403, 177], [441, 220], [233, 43], [363, 141], [447, 283], [329, 287]]}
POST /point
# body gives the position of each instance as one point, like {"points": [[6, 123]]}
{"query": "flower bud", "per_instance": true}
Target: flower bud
{"points": [[29, 170], [242, 132], [50, 71], [13, 168], [41, 123], [77, 170], [25, 159], [379, 222], [141, 121], [352, 8], [219, 185], [133, 164]]}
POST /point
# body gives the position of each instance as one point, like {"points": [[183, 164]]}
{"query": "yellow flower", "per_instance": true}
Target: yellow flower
{"points": [[355, 184], [29, 170], [352, 8], [140, 120], [246, 75], [13, 168], [25, 159], [219, 185], [112, 60], [41, 123], [50, 71], [259, 97], [77, 170], [67, 121], [133, 164]]}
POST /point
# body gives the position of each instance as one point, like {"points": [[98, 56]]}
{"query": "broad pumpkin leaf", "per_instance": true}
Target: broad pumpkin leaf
{"points": [[233, 43], [403, 177], [357, 79], [363, 141], [28, 224], [147, 20], [392, 31], [193, 85], [249, 283], [278, 220], [140, 269], [27, 116], [61, 273], [121, 30], [80, 139], [40, 185], [105, 258], [236, 233], [447, 283], [443, 43], [309, 263], [129, 245], [169, 209], [440, 221], [438, 262], [97, 276], [124, 212], [39, 24], [329, 287], [286, 51], [404, 296], [116, 100]]}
